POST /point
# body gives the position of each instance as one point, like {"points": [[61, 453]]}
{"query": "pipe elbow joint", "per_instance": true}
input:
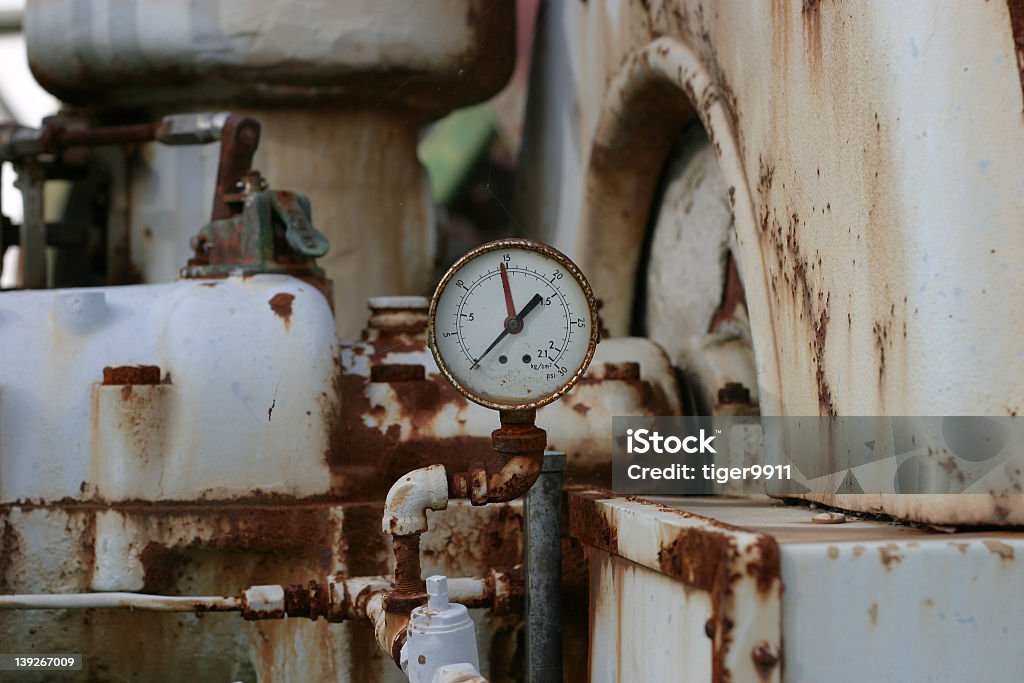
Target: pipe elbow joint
{"points": [[405, 509]]}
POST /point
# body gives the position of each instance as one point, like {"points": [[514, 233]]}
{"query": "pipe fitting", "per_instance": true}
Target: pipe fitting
{"points": [[405, 509], [410, 590], [389, 628], [263, 602], [521, 445]]}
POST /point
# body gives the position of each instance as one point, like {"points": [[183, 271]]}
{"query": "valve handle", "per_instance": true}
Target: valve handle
{"points": [[294, 212]]}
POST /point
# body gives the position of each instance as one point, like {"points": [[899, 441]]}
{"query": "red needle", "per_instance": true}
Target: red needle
{"points": [[509, 306]]}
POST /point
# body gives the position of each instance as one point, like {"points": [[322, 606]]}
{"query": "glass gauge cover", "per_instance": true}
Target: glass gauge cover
{"points": [[513, 324]]}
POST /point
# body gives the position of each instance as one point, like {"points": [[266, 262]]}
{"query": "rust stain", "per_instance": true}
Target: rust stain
{"points": [[364, 547], [468, 541], [281, 304], [833, 552], [890, 554], [873, 613], [589, 524], [627, 371], [765, 659], [164, 568], [698, 557], [811, 19], [131, 374], [9, 551], [1016, 8], [733, 295], [767, 566], [365, 460], [1003, 550], [398, 372]]}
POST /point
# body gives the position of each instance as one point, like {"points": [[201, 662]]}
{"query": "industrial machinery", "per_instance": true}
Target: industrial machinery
{"points": [[224, 399]]}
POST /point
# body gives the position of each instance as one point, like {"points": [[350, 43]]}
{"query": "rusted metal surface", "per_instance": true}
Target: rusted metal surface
{"points": [[400, 413], [240, 136], [250, 240], [890, 583], [520, 445], [410, 591], [899, 582], [737, 572], [281, 304], [131, 374], [56, 135], [218, 546], [850, 266]]}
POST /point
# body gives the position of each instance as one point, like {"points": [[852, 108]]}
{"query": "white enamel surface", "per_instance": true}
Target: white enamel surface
{"points": [[525, 367]]}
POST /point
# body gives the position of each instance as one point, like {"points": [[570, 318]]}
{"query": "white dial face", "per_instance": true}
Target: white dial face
{"points": [[513, 325]]}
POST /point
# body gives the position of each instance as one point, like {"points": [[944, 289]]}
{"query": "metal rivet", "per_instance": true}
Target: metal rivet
{"points": [[764, 655]]}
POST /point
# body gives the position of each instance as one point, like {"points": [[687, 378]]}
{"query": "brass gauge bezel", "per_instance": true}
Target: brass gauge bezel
{"points": [[562, 260]]}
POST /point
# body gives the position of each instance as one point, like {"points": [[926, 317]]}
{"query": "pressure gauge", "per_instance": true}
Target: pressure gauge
{"points": [[513, 324]]}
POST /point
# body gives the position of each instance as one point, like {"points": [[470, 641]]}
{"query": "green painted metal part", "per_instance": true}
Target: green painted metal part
{"points": [[273, 233], [453, 145]]}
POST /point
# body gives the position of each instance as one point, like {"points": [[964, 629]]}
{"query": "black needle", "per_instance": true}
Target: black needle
{"points": [[511, 325]]}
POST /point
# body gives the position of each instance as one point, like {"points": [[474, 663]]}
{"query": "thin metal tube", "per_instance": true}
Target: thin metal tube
{"points": [[139, 601], [543, 539]]}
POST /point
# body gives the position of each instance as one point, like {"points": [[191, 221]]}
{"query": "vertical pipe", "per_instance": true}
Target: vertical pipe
{"points": [[32, 239], [544, 573]]}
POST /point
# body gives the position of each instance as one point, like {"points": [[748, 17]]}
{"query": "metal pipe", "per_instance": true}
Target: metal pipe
{"points": [[543, 540], [407, 502], [139, 601], [344, 598], [521, 444]]}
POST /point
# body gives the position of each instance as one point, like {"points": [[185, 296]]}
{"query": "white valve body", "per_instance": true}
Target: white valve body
{"points": [[440, 633]]}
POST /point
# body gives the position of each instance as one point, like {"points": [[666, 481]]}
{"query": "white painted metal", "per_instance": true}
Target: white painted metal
{"points": [[155, 603], [268, 599], [458, 673], [342, 91], [232, 416], [405, 509], [439, 633], [292, 50], [694, 226], [870, 154], [645, 625], [728, 574], [862, 600]]}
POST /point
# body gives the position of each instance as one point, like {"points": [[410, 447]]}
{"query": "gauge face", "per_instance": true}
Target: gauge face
{"points": [[513, 324]]}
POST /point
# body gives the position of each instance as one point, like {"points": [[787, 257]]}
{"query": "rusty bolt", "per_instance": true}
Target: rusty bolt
{"points": [[733, 392], [709, 628], [764, 655]]}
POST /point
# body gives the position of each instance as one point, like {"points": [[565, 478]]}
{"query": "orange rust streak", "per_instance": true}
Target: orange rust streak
{"points": [[281, 304]]}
